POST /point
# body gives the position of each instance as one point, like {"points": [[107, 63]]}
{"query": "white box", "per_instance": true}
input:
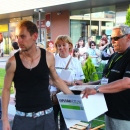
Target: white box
{"points": [[82, 109]]}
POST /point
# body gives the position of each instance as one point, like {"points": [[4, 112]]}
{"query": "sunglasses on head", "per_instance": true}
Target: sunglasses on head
{"points": [[117, 38]]}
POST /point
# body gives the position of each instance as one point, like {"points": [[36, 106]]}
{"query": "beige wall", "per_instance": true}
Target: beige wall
{"points": [[59, 24]]}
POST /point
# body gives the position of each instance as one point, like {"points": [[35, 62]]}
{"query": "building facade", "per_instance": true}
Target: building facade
{"points": [[78, 18]]}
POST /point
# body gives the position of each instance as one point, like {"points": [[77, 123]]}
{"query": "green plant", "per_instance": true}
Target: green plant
{"points": [[2, 75], [88, 69], [128, 17]]}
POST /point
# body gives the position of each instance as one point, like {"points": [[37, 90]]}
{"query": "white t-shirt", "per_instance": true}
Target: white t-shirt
{"points": [[82, 50], [74, 67], [13, 52]]}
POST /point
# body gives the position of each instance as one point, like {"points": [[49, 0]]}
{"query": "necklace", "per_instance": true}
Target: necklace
{"points": [[30, 65]]}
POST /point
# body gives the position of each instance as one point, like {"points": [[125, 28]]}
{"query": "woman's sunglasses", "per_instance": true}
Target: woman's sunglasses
{"points": [[117, 38]]}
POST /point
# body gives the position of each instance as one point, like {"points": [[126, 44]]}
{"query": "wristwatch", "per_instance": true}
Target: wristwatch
{"points": [[97, 88]]}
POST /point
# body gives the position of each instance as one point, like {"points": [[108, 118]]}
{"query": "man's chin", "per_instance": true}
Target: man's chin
{"points": [[23, 50]]}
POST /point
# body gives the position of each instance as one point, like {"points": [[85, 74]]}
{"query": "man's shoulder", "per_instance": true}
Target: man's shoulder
{"points": [[49, 56], [11, 63]]}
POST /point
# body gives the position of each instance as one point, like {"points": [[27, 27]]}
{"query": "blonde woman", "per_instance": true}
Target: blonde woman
{"points": [[64, 47]]}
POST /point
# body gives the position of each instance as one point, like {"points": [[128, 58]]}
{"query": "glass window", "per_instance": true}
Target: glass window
{"points": [[85, 24]]}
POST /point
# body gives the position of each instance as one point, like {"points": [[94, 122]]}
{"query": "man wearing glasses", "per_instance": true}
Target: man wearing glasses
{"points": [[116, 86]]}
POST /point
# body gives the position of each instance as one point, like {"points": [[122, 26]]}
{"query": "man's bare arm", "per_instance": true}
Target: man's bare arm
{"points": [[113, 87], [57, 81], [10, 68]]}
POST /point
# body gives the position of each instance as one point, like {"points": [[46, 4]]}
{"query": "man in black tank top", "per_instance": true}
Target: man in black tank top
{"points": [[30, 69]]}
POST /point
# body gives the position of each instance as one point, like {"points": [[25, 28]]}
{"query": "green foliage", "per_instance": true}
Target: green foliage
{"points": [[128, 17], [2, 75], [88, 69], [98, 121]]}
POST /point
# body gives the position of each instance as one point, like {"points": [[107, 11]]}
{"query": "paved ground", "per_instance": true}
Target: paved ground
{"points": [[11, 109]]}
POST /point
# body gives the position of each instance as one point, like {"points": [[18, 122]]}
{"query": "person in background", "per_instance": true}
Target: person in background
{"points": [[40, 45], [104, 45], [1, 45], [15, 48], [30, 69], [116, 81], [81, 46], [104, 35], [94, 53], [88, 69], [77, 55], [64, 46], [51, 47], [85, 57], [87, 45]]}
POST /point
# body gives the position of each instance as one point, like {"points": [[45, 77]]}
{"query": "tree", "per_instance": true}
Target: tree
{"points": [[128, 17]]}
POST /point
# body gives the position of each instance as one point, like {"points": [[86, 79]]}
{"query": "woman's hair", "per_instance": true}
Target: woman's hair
{"points": [[66, 39], [104, 39], [92, 42], [49, 43], [81, 39], [75, 50]]}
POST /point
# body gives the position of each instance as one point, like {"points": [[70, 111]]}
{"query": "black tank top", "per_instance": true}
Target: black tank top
{"points": [[32, 94]]}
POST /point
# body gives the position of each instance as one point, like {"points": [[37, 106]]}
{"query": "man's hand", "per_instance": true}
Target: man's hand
{"points": [[6, 125], [78, 82], [68, 83], [88, 91]]}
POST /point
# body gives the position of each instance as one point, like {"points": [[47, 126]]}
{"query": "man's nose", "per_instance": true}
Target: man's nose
{"points": [[19, 39]]}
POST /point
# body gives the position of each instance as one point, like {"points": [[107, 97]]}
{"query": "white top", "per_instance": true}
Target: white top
{"points": [[1, 47], [82, 50], [92, 52], [13, 52], [74, 67]]}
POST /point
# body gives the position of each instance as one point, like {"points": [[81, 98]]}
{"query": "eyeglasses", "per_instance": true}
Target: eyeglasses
{"points": [[92, 45], [117, 38]]}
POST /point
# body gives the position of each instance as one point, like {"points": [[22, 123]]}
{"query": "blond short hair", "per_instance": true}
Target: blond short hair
{"points": [[66, 39]]}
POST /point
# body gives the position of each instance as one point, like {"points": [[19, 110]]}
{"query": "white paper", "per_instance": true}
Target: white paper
{"points": [[81, 87], [65, 74]]}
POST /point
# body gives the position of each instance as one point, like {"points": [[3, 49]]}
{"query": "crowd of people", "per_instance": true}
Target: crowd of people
{"points": [[36, 74]]}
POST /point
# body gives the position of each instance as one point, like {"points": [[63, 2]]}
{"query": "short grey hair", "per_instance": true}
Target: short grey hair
{"points": [[124, 29]]}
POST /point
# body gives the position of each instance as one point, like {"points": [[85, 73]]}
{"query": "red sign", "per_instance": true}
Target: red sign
{"points": [[42, 23]]}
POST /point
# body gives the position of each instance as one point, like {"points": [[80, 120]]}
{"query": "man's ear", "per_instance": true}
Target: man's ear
{"points": [[35, 36]]}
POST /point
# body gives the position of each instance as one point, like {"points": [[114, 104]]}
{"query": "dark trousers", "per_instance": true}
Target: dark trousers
{"points": [[57, 111], [45, 122]]}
